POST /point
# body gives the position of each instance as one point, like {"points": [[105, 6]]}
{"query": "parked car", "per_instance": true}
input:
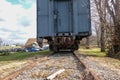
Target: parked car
{"points": [[4, 52], [32, 49], [45, 47], [20, 50]]}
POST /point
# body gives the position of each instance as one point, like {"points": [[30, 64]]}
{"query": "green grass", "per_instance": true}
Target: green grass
{"points": [[93, 52], [8, 47], [21, 55]]}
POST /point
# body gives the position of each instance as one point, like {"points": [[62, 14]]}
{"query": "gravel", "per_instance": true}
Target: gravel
{"points": [[73, 71], [105, 73], [56, 62], [8, 67]]}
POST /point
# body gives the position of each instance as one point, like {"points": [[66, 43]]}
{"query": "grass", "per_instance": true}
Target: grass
{"points": [[93, 52], [21, 55], [8, 47]]}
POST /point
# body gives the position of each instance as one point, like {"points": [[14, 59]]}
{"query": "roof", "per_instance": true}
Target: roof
{"points": [[30, 41]]}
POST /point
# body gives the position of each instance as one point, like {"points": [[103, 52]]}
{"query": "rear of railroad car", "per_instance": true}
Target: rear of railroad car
{"points": [[63, 23]]}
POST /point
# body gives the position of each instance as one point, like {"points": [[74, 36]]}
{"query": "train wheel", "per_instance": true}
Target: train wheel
{"points": [[51, 47], [72, 50], [55, 49], [76, 47]]}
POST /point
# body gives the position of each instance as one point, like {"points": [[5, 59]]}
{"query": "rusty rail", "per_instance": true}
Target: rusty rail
{"points": [[91, 73], [30, 65]]}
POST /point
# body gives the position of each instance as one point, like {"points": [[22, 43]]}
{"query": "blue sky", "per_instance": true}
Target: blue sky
{"points": [[17, 20]]}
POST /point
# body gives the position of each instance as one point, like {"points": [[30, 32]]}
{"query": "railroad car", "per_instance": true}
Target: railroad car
{"points": [[63, 23]]}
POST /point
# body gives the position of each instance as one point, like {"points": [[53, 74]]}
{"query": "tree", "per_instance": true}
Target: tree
{"points": [[113, 7], [95, 22], [109, 18], [1, 42], [87, 43], [98, 32], [101, 9]]}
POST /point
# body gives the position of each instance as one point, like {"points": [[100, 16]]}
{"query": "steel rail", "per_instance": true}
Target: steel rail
{"points": [[90, 72], [29, 66]]}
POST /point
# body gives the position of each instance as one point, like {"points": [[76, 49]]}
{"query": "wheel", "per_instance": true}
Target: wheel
{"points": [[76, 46], [55, 49], [51, 47]]}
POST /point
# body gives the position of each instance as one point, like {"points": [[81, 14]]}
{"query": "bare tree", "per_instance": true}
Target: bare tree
{"points": [[101, 8], [95, 22], [109, 18], [1, 42], [98, 32], [113, 7], [87, 43]]}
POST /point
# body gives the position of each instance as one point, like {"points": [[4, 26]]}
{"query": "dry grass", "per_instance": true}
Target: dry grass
{"points": [[65, 74], [38, 74], [108, 62], [10, 67], [49, 64], [94, 54]]}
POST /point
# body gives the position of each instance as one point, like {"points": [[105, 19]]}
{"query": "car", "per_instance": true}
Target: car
{"points": [[4, 52], [32, 49], [20, 50], [45, 47]]}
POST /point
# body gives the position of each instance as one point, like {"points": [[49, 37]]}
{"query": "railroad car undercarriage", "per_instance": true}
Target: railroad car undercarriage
{"points": [[58, 43]]}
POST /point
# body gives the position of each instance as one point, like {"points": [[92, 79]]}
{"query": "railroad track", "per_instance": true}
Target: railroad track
{"points": [[88, 75], [29, 66], [41, 69]]}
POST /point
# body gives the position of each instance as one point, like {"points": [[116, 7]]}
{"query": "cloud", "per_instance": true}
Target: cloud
{"points": [[15, 36], [1, 20], [25, 3], [15, 19], [24, 21], [6, 30]]}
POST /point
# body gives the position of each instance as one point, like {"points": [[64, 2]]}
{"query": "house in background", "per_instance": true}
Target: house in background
{"points": [[32, 43]]}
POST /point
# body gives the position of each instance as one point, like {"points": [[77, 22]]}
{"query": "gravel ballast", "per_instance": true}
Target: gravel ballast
{"points": [[102, 69], [56, 62], [73, 71]]}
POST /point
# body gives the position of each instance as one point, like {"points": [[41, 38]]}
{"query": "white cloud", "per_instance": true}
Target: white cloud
{"points": [[12, 14]]}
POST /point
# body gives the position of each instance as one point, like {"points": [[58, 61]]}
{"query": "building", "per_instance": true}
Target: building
{"points": [[32, 42]]}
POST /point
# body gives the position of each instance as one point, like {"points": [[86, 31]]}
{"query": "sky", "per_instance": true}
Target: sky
{"points": [[17, 20]]}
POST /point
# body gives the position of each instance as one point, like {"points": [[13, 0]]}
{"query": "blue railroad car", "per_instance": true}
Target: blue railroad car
{"points": [[63, 22]]}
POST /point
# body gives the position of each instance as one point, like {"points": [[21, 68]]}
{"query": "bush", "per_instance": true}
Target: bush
{"points": [[117, 55], [4, 52], [110, 53]]}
